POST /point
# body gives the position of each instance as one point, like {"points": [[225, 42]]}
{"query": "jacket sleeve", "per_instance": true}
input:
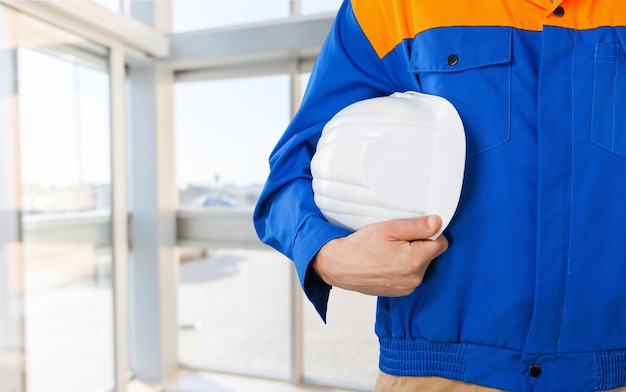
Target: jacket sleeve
{"points": [[347, 70]]}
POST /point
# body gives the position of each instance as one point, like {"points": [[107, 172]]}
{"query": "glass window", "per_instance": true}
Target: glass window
{"points": [[234, 311], [225, 131], [64, 129], [345, 350], [233, 303], [114, 5], [64, 132], [319, 6], [189, 15]]}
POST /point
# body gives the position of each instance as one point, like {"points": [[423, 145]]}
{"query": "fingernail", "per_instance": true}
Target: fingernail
{"points": [[432, 221]]}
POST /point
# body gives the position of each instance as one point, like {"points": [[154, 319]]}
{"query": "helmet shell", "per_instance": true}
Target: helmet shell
{"points": [[394, 157]]}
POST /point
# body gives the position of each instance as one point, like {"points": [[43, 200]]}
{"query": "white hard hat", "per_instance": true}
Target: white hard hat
{"points": [[394, 157]]}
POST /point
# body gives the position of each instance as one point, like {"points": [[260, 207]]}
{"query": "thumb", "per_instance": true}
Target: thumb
{"points": [[414, 229]]}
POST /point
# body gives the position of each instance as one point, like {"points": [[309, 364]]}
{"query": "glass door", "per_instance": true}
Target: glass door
{"points": [[62, 190]]}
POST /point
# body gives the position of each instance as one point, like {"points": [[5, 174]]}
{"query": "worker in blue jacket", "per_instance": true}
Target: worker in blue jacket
{"points": [[526, 289]]}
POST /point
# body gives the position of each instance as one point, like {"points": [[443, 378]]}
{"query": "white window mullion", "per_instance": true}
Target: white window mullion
{"points": [[154, 269], [152, 190], [297, 311]]}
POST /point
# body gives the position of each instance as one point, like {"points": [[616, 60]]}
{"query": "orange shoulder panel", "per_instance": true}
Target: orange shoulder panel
{"points": [[387, 22]]}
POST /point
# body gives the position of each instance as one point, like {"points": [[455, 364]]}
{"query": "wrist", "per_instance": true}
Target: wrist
{"points": [[321, 261]]}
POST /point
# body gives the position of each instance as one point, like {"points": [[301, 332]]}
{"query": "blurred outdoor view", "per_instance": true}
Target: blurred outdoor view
{"points": [[222, 151], [64, 133]]}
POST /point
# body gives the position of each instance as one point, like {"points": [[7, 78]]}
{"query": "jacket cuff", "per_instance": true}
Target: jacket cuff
{"points": [[314, 233]]}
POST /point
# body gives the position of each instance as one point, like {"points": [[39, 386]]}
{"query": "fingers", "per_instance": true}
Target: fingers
{"points": [[387, 258], [430, 249], [414, 229]]}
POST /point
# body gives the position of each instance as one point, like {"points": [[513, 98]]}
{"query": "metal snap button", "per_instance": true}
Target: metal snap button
{"points": [[453, 59], [559, 11], [534, 370]]}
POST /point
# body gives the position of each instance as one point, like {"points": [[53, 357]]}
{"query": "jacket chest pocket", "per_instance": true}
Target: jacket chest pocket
{"points": [[608, 115], [471, 67]]}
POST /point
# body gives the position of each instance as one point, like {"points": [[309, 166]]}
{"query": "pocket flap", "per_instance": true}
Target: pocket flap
{"points": [[453, 49]]}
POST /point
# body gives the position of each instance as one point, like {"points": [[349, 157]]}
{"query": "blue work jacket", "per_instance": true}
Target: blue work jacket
{"points": [[531, 294]]}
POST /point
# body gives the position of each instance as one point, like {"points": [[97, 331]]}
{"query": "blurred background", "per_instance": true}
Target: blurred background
{"points": [[134, 138]]}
